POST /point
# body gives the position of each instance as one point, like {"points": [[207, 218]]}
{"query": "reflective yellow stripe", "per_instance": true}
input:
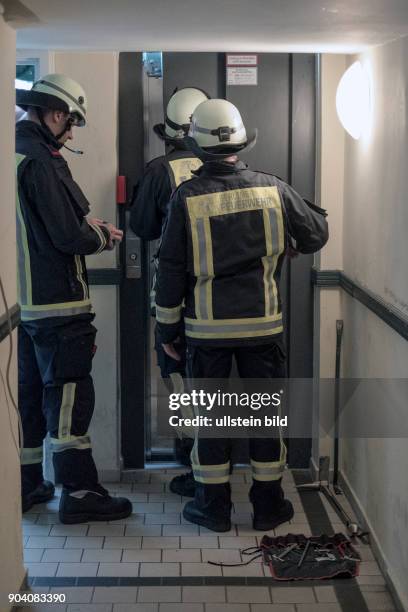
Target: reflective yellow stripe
{"points": [[210, 268], [274, 239], [101, 236], [201, 208], [210, 479], [232, 201], [59, 306], [187, 412], [276, 318], [63, 309], [30, 456], [234, 328], [24, 264], [67, 405], [267, 262], [78, 264], [281, 248], [70, 442], [168, 315], [181, 168]]}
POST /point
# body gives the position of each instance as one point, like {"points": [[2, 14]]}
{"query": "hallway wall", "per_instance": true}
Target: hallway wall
{"points": [[12, 571], [96, 172], [376, 255], [331, 189]]}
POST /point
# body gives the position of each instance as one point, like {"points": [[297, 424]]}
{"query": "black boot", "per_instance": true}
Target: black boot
{"points": [[211, 507], [92, 505], [183, 448], [184, 485], [43, 492], [270, 507]]}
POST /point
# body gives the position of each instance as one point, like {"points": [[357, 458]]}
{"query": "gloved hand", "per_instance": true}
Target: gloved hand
{"points": [[115, 234]]}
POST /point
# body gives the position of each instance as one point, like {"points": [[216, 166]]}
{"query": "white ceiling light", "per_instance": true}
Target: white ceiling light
{"points": [[353, 100]]}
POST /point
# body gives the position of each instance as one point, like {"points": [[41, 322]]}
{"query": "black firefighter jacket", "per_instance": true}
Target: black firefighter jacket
{"points": [[222, 253], [52, 233], [153, 192]]}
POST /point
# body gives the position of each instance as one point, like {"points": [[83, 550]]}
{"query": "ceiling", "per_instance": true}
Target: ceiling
{"points": [[345, 26]]}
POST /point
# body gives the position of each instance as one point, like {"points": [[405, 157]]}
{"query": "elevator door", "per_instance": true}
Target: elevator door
{"points": [[282, 107]]}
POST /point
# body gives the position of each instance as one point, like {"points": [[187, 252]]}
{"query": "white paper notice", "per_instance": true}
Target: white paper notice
{"points": [[235, 59], [242, 75]]}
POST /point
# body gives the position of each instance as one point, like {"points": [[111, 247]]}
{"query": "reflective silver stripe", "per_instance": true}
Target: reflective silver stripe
{"points": [[54, 310], [230, 328], [67, 405], [276, 221], [203, 130], [203, 287], [202, 248], [66, 93], [270, 470], [168, 315], [72, 442], [187, 412], [78, 264], [278, 469], [211, 474], [30, 456]]}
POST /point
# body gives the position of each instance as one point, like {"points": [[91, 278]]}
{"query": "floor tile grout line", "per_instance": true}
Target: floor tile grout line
{"points": [[358, 596]]}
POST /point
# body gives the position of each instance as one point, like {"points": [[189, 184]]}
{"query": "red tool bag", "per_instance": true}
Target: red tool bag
{"points": [[296, 557]]}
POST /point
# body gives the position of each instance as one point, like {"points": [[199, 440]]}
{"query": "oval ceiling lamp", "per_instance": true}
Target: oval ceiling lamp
{"points": [[353, 100]]}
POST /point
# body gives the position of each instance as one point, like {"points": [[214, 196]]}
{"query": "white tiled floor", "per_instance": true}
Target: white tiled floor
{"points": [[156, 541]]}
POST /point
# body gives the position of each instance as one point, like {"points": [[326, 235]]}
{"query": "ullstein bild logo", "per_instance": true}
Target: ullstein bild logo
{"points": [[228, 421]]}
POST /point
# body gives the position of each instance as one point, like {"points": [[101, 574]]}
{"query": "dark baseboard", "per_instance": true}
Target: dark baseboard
{"points": [[4, 324], [392, 316]]}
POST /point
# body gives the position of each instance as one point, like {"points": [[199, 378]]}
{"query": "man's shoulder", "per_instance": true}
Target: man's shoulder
{"points": [[37, 151], [156, 163], [265, 177]]}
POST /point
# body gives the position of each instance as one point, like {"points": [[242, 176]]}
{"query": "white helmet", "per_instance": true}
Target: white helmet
{"points": [[56, 92], [179, 110], [217, 130]]}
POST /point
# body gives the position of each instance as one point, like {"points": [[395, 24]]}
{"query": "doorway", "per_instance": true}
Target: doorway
{"points": [[281, 104]]}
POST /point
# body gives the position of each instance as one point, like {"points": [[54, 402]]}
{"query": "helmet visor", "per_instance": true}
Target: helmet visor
{"points": [[76, 120]]}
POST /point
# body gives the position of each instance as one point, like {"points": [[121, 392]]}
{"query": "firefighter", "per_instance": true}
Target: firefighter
{"points": [[148, 214], [221, 255], [56, 338]]}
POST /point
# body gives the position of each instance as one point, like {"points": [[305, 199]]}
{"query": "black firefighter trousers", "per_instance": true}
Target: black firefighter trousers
{"points": [[210, 457], [56, 395]]}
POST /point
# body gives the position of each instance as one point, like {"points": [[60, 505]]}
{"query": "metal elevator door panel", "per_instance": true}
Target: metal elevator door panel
{"points": [[266, 106], [206, 71], [282, 107], [203, 70]]}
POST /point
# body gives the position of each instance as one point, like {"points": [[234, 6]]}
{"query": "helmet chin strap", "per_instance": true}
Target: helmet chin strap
{"points": [[67, 127]]}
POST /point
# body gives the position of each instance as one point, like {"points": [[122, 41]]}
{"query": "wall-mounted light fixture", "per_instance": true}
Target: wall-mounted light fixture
{"points": [[354, 100]]}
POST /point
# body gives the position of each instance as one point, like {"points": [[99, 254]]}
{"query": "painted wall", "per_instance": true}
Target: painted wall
{"points": [[331, 189], [376, 255], [96, 172], [11, 572]]}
